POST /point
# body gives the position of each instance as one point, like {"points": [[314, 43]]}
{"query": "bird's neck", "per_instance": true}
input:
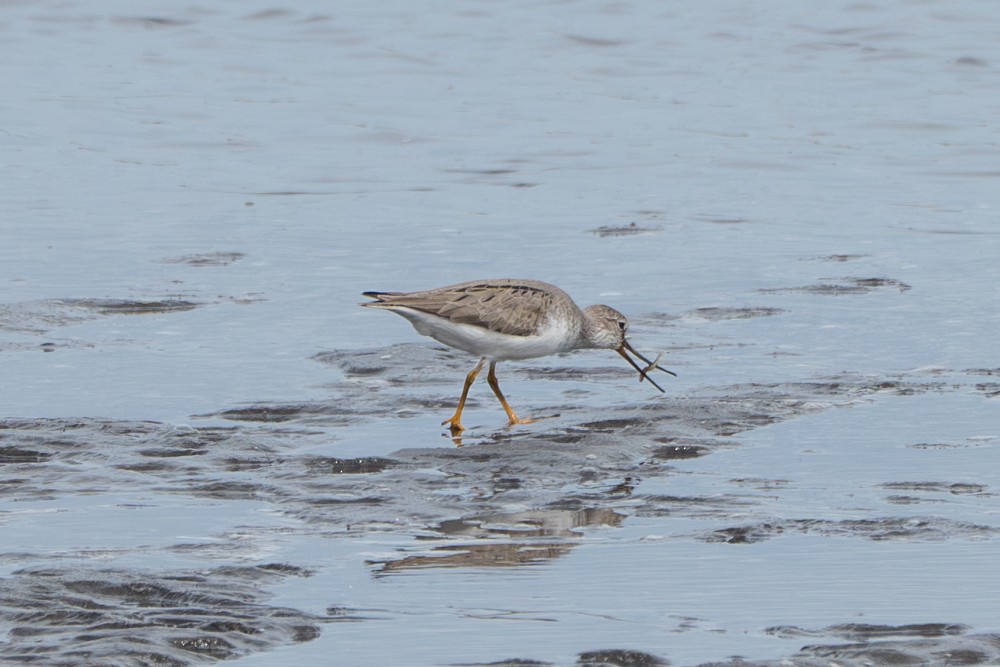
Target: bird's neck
{"points": [[590, 335]]}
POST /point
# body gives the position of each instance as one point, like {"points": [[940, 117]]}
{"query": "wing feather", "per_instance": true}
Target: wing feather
{"points": [[515, 307]]}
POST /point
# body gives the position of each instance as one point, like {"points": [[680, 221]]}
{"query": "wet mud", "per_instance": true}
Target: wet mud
{"points": [[575, 473], [927, 646], [59, 616], [773, 196], [38, 317], [493, 498], [33, 319]]}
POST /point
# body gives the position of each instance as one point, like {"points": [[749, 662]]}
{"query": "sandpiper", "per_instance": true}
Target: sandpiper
{"points": [[504, 319]]}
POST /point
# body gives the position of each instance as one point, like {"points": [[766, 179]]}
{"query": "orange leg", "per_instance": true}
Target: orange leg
{"points": [[454, 421], [491, 377]]}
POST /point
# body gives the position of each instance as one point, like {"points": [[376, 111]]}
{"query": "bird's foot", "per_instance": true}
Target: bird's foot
{"points": [[454, 425]]}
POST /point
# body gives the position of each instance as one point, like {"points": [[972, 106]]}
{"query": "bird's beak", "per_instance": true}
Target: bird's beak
{"points": [[650, 365]]}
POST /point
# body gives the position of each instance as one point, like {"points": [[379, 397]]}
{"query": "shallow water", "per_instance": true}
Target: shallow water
{"points": [[209, 453]]}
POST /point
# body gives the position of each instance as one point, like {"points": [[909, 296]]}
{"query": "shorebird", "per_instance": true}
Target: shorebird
{"points": [[505, 319]]}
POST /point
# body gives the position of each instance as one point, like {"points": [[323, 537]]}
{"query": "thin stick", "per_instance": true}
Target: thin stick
{"points": [[653, 365], [642, 374]]}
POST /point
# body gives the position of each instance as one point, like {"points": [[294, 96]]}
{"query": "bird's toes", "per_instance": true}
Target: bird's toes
{"points": [[453, 425]]}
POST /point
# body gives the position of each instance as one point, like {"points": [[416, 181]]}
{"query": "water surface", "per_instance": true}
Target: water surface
{"points": [[210, 453]]}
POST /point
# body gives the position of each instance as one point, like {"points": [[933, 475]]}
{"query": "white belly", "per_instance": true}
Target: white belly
{"points": [[490, 344]]}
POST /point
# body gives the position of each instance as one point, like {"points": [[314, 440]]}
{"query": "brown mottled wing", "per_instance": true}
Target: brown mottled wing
{"points": [[505, 306]]}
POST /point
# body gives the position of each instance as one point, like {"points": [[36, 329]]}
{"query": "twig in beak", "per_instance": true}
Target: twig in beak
{"points": [[652, 364], [642, 373]]}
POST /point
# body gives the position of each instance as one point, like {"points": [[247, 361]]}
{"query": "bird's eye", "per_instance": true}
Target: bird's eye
{"points": [[622, 325]]}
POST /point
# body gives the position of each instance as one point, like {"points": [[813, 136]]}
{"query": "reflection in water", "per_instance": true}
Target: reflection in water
{"points": [[505, 554], [531, 523], [760, 186], [519, 525]]}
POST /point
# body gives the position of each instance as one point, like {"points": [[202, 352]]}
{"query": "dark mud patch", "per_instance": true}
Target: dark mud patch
{"points": [[678, 451], [868, 631], [512, 662], [491, 176], [609, 425], [402, 365], [206, 259], [927, 528], [131, 307], [91, 617], [973, 441], [926, 644], [841, 258], [270, 413], [844, 286], [322, 413], [720, 313], [67, 456], [988, 389], [357, 466], [897, 499], [934, 445], [972, 650], [40, 317], [983, 371], [631, 229], [951, 488], [619, 658], [148, 22], [601, 658], [22, 455]]}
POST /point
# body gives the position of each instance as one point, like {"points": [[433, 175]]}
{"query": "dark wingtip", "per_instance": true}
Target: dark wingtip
{"points": [[380, 295], [372, 295]]}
